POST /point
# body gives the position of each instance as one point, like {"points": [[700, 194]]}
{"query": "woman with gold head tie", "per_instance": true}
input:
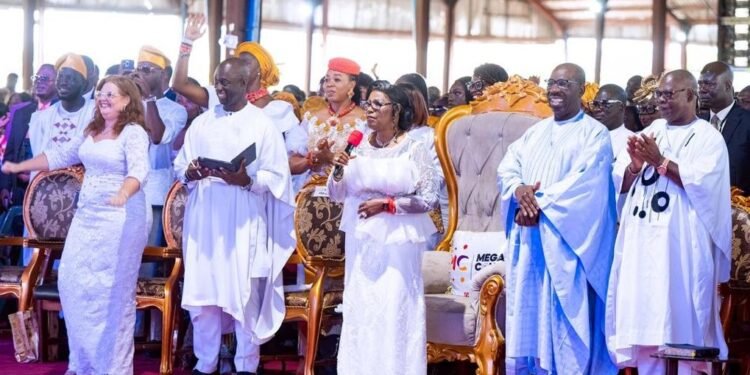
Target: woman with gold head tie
{"points": [[324, 132]]}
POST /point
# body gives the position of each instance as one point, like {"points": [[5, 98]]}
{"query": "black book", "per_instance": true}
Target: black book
{"points": [[691, 351], [233, 166]]}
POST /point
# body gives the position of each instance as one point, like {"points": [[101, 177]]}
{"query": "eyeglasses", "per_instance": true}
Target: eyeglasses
{"points": [[375, 105], [667, 94], [477, 85], [147, 69], [38, 78], [106, 95], [646, 109], [604, 104], [561, 83]]}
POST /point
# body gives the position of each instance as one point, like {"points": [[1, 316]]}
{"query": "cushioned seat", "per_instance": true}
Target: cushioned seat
{"points": [[450, 319], [151, 287], [471, 141], [300, 299], [10, 274]]}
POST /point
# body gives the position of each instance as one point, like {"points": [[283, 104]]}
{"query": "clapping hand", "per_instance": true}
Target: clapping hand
{"points": [[647, 150]]}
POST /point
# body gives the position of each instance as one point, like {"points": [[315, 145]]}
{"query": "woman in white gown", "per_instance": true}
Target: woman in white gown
{"points": [[102, 254], [387, 189]]}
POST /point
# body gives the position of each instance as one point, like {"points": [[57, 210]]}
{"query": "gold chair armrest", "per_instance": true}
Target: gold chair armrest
{"points": [[162, 252], [12, 241], [55, 245], [490, 341]]}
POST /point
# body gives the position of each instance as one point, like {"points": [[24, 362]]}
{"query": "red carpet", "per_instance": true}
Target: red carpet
{"points": [[143, 365]]}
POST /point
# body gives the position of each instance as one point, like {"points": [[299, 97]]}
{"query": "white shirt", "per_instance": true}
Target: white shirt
{"points": [[161, 176], [619, 138], [722, 115]]}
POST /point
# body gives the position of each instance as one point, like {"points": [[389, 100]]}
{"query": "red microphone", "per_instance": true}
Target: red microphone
{"points": [[354, 139]]}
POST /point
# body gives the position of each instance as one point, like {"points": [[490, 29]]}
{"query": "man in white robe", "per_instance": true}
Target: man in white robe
{"points": [[556, 187], [609, 108], [238, 231], [673, 246]]}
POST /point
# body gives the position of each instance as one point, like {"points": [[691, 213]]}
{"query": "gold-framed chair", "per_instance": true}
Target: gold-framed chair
{"points": [[320, 248], [163, 293], [471, 140], [48, 208], [735, 307]]}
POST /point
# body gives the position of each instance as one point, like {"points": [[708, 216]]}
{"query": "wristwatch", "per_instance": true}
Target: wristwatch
{"points": [[662, 169]]}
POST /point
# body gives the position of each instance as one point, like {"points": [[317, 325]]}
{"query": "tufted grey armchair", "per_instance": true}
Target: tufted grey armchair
{"points": [[471, 141]]}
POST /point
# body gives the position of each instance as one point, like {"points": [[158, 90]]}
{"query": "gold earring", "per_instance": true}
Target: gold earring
{"points": [[351, 93]]}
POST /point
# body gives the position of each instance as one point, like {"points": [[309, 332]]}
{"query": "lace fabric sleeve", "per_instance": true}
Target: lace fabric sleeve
{"points": [[64, 156], [136, 145], [425, 197]]}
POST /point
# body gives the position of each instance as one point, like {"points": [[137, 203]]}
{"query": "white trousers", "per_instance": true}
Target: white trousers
{"points": [[207, 330]]}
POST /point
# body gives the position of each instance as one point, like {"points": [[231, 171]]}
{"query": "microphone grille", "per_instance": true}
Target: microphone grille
{"points": [[355, 138]]}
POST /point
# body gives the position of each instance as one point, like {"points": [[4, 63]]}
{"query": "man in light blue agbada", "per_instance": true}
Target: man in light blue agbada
{"points": [[556, 185]]}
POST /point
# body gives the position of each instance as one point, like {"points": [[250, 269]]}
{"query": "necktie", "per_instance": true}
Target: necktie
{"points": [[715, 122]]}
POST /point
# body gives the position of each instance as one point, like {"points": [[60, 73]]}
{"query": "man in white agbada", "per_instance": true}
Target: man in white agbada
{"points": [[557, 189], [609, 108], [673, 245], [238, 230]]}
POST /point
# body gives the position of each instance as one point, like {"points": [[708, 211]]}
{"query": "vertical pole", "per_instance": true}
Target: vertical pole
{"points": [[215, 15], [600, 24], [658, 35], [253, 20], [309, 27], [422, 33], [450, 24], [29, 7]]}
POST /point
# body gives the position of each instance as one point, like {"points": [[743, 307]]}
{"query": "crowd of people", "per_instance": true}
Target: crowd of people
{"points": [[620, 207]]}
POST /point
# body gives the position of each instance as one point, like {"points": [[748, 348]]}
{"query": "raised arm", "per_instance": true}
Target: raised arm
{"points": [[195, 27]]}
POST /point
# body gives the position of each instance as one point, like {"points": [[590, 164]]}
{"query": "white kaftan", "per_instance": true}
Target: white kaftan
{"points": [[384, 314], [161, 177], [558, 270], [673, 247], [102, 254], [232, 236], [619, 138]]}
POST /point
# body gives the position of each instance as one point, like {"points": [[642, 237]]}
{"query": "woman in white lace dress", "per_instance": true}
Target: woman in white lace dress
{"points": [[102, 254], [387, 188]]}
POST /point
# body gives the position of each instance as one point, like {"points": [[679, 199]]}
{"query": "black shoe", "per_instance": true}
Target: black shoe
{"points": [[245, 373], [196, 372]]}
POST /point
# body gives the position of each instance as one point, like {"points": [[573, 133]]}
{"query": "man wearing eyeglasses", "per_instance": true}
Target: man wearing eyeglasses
{"points": [[673, 246], [608, 107], [716, 93], [18, 148], [238, 230], [556, 185], [165, 119]]}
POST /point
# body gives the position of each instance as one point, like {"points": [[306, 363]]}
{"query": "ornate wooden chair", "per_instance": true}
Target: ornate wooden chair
{"points": [[471, 141], [735, 308], [48, 209], [163, 293], [320, 248]]}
